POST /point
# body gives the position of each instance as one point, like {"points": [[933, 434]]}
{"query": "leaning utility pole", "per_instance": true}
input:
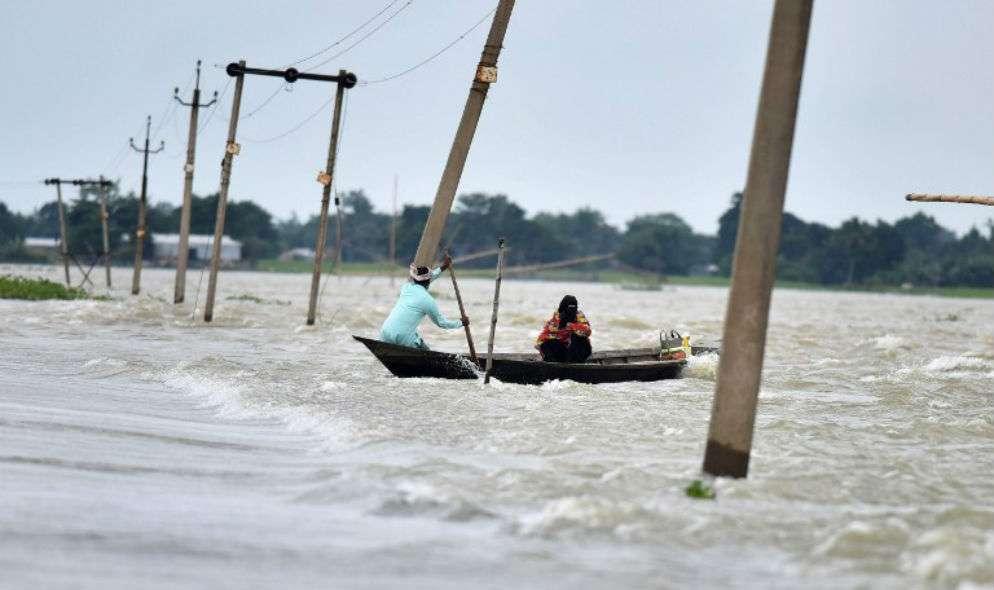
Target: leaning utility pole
{"points": [[231, 149], [102, 185], [342, 81], [733, 414], [486, 74], [136, 276], [63, 236], [183, 254]]}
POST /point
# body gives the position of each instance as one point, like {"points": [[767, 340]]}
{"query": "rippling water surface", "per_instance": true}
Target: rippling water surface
{"points": [[142, 448]]}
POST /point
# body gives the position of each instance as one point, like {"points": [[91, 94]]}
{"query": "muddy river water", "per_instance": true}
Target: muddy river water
{"points": [[140, 447]]}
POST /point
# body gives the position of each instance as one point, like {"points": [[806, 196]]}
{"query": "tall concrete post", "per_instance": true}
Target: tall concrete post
{"points": [[63, 234], [326, 178], [183, 254], [104, 223], [140, 231], [231, 149], [486, 74], [733, 413]]}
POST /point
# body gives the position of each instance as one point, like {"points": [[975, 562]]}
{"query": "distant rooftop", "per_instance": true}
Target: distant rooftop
{"points": [[195, 240]]}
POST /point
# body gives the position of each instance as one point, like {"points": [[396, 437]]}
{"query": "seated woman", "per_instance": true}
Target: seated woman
{"points": [[566, 337]]}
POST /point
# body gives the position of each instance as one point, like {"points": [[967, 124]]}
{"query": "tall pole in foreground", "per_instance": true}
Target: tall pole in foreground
{"points": [[486, 74], [326, 178], [136, 276], [231, 149], [63, 237], [733, 413], [183, 254], [493, 318]]}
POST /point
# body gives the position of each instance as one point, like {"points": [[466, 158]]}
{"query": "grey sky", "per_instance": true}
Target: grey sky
{"points": [[630, 107]]}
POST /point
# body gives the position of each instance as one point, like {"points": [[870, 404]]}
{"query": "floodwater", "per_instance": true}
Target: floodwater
{"points": [[140, 448]]}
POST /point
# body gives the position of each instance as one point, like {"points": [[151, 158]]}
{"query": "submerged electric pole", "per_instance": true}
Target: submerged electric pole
{"points": [[136, 276], [740, 369], [183, 254], [238, 71], [102, 185], [342, 81], [63, 235], [486, 74]]}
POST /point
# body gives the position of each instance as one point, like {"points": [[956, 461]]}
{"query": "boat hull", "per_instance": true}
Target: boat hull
{"points": [[525, 369]]}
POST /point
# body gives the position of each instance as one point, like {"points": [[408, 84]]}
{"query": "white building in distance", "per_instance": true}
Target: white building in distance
{"points": [[201, 246]]}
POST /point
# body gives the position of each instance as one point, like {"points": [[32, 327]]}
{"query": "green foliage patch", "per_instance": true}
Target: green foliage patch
{"points": [[12, 287]]}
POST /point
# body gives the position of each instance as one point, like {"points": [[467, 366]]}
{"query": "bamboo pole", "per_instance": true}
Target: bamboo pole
{"points": [[559, 264], [462, 314], [924, 198], [476, 255], [733, 413], [493, 318]]}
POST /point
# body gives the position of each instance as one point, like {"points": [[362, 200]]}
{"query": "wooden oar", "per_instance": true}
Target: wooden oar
{"points": [[493, 318], [462, 313]]}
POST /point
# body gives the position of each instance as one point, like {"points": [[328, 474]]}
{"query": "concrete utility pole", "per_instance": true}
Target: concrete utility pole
{"points": [[102, 185], [342, 81], [136, 276], [486, 74], [291, 75], [733, 413], [231, 149], [183, 254], [63, 235]]}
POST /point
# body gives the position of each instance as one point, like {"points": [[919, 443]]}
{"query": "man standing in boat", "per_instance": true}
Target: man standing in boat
{"points": [[401, 326]]}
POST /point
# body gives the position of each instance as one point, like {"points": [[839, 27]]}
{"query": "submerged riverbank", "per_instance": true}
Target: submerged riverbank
{"points": [[143, 448]]}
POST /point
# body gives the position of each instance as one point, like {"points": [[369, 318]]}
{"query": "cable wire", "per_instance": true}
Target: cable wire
{"points": [[342, 40], [432, 56], [217, 104], [364, 37]]}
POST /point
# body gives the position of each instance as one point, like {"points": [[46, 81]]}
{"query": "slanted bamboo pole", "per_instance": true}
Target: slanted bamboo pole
{"points": [[476, 255], [493, 318], [558, 264], [924, 198], [462, 314]]}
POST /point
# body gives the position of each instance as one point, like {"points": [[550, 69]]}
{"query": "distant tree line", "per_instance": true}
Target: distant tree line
{"points": [[914, 249]]}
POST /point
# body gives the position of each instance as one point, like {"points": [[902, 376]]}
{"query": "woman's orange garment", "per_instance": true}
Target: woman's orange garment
{"points": [[551, 330]]}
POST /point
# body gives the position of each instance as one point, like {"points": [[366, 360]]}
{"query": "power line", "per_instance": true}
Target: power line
{"points": [[342, 40], [432, 56], [210, 115], [294, 128], [364, 37]]}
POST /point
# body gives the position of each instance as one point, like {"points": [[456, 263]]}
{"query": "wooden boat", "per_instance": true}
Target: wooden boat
{"points": [[609, 366]]}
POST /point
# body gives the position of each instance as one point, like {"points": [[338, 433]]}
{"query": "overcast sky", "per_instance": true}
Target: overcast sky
{"points": [[630, 107]]}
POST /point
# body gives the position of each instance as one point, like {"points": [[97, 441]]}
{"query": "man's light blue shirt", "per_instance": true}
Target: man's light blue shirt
{"points": [[414, 303]]}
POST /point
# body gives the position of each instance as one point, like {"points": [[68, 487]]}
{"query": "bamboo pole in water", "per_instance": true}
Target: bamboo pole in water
{"points": [[559, 264], [733, 414], [493, 318], [462, 314]]}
